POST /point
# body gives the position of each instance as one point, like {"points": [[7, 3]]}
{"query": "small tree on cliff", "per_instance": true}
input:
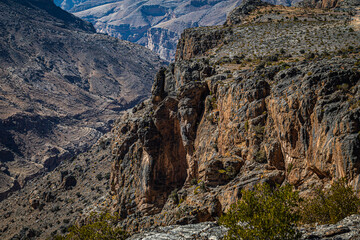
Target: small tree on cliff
{"points": [[99, 226], [331, 205], [264, 213]]}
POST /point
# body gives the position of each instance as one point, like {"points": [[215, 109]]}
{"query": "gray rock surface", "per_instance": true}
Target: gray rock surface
{"points": [[346, 229], [200, 231]]}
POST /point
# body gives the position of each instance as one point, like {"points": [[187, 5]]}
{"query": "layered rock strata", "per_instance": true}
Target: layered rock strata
{"points": [[221, 119], [273, 99]]}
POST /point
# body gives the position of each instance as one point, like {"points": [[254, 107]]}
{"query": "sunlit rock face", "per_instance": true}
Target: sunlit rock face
{"points": [[242, 104]]}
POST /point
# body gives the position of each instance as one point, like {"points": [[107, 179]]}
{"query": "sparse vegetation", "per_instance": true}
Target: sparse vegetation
{"points": [[246, 125], [264, 213], [107, 176], [99, 176], [174, 196], [343, 87], [99, 226], [193, 181], [259, 130], [331, 205], [260, 156]]}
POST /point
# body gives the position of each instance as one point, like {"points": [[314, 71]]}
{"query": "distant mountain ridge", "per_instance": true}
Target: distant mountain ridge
{"points": [[153, 23]]}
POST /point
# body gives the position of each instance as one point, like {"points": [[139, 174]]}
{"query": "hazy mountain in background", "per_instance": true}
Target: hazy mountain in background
{"points": [[154, 24]]}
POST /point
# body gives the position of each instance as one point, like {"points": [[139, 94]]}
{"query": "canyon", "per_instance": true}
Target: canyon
{"points": [[270, 96]]}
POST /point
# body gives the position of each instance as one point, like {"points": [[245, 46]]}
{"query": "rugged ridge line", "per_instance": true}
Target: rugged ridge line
{"points": [[154, 24]]}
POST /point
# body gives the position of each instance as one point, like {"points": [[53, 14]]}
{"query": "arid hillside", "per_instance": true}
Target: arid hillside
{"points": [[272, 95], [61, 86]]}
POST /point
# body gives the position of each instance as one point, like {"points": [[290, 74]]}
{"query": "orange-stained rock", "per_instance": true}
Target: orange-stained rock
{"points": [[218, 123]]}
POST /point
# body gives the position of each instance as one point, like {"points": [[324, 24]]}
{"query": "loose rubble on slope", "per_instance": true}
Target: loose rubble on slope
{"points": [[50, 203], [61, 87]]}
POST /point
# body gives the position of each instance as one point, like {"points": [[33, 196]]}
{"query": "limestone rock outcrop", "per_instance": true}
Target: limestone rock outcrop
{"points": [[243, 10], [212, 136], [219, 122], [273, 99]]}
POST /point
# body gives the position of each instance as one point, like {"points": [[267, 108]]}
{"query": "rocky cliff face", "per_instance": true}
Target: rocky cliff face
{"points": [[272, 96], [61, 86], [229, 114], [154, 24]]}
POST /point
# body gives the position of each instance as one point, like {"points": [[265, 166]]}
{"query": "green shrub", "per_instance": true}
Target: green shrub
{"points": [[259, 130], [246, 125], [99, 226], [99, 176], [260, 156], [264, 214], [174, 196], [343, 87], [332, 205], [107, 176], [193, 181]]}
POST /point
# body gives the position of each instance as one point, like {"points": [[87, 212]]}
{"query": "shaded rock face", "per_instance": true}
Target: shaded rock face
{"points": [[195, 43], [162, 168], [231, 133], [61, 86], [226, 123]]}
